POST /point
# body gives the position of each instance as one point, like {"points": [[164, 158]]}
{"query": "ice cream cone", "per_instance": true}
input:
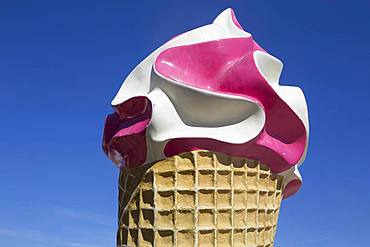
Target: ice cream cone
{"points": [[199, 198]]}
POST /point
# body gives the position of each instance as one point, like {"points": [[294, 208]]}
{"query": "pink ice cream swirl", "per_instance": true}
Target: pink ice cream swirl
{"points": [[212, 88]]}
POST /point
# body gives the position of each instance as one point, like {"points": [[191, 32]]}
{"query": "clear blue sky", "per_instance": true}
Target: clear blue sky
{"points": [[61, 62]]}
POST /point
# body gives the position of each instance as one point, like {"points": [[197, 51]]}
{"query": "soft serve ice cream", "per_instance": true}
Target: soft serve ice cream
{"points": [[212, 88]]}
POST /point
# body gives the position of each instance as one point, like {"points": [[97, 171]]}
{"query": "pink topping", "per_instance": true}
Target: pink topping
{"points": [[291, 188], [125, 132], [227, 66], [224, 66]]}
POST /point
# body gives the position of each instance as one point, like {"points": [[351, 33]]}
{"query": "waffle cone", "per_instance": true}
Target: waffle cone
{"points": [[199, 198]]}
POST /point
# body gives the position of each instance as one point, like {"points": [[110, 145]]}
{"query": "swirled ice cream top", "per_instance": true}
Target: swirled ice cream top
{"points": [[211, 88]]}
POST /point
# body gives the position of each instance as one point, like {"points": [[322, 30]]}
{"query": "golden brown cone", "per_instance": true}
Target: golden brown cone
{"points": [[199, 198]]}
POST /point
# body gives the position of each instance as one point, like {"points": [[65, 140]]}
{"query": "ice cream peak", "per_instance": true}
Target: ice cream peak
{"points": [[211, 88]]}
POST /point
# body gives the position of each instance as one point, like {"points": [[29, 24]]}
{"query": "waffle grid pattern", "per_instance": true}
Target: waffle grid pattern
{"points": [[199, 198]]}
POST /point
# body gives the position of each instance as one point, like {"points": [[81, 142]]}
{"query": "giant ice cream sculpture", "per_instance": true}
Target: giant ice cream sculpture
{"points": [[207, 141]]}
